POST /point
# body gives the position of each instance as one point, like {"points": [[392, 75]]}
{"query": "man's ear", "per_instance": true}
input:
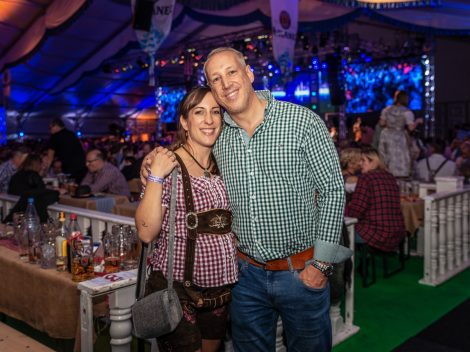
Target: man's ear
{"points": [[249, 73]]}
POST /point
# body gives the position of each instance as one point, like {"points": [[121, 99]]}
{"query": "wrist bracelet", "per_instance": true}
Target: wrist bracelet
{"points": [[155, 179]]}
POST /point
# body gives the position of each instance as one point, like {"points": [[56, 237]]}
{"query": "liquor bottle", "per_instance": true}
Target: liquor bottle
{"points": [[33, 226], [61, 244], [81, 248]]}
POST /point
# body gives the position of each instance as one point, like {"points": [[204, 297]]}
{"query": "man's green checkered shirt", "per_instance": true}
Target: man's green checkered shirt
{"points": [[284, 184]]}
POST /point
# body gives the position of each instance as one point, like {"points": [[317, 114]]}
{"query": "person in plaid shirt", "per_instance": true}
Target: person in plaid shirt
{"points": [[215, 261], [286, 193], [376, 205]]}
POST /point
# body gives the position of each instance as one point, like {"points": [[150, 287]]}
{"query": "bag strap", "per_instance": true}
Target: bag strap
{"points": [[171, 235], [191, 224], [147, 249], [433, 173], [440, 166]]}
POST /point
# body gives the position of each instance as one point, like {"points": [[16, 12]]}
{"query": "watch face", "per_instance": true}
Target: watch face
{"points": [[328, 271]]}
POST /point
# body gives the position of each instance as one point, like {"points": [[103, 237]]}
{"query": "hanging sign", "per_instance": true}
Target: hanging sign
{"points": [[152, 24], [284, 21]]}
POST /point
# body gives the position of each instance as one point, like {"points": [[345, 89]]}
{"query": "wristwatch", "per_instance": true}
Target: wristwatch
{"points": [[326, 269]]}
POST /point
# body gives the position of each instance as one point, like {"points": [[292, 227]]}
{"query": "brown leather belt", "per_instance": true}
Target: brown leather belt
{"points": [[298, 261]]}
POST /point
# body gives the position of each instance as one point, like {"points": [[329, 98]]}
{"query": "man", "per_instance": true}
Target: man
{"points": [[10, 167], [286, 192], [103, 176], [435, 165], [65, 146]]}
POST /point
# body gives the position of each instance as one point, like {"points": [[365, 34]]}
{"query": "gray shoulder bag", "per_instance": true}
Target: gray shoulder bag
{"points": [[160, 312]]}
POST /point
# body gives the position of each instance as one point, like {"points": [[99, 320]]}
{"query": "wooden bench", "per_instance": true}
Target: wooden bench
{"points": [[14, 341]]}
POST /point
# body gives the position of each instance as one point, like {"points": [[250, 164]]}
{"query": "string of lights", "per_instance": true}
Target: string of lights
{"points": [[429, 94]]}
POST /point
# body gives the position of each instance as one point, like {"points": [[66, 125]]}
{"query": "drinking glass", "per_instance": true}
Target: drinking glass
{"points": [[47, 260], [21, 235], [131, 249], [112, 253]]}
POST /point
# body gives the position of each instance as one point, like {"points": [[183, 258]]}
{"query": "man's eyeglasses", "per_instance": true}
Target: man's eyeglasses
{"points": [[91, 161]]}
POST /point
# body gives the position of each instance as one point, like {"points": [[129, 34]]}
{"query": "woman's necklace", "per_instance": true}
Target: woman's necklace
{"points": [[206, 169]]}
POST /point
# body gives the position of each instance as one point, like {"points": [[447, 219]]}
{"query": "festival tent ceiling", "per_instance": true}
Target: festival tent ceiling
{"points": [[78, 58]]}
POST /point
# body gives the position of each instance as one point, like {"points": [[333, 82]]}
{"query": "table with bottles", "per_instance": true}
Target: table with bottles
{"points": [[34, 258], [47, 300]]}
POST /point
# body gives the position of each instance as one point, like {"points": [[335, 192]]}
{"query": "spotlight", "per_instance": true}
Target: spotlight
{"points": [[21, 134]]}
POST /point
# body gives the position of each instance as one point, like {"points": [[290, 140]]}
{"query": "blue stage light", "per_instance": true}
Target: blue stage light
{"points": [[270, 67], [78, 133], [21, 134]]}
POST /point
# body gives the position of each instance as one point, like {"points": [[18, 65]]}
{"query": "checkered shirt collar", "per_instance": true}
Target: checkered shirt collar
{"points": [[262, 94]]}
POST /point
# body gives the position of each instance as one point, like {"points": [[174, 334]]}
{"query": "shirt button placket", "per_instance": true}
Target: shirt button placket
{"points": [[251, 186]]}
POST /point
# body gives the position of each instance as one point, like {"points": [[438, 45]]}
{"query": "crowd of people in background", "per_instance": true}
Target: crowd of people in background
{"points": [[428, 157], [105, 164]]}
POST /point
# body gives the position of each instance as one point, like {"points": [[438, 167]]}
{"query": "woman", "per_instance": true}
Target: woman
{"points": [[350, 161], [397, 120], [376, 205], [28, 177], [215, 261]]}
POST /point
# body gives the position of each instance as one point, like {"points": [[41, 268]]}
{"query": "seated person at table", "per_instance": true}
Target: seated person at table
{"points": [[103, 176], [55, 169], [463, 159], [376, 205], [350, 161], [10, 167], [436, 164], [27, 178]]}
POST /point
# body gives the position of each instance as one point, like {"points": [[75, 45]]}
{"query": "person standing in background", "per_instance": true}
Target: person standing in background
{"points": [[65, 146], [397, 121]]}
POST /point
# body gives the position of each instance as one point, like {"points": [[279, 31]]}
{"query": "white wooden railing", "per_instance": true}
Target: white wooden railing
{"points": [[99, 221], [342, 327], [447, 235]]}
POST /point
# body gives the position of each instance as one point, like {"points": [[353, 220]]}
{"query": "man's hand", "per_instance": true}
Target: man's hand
{"points": [[313, 277], [145, 168]]}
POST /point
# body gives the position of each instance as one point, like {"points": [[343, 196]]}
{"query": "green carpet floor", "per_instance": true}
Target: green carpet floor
{"points": [[397, 308]]}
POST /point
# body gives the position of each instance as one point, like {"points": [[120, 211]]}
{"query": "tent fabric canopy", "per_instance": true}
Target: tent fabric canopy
{"points": [[63, 45], [24, 23]]}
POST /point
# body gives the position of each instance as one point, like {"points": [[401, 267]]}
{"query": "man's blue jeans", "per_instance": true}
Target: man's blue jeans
{"points": [[261, 296]]}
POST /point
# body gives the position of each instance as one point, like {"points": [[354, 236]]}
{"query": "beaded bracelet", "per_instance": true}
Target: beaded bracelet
{"points": [[155, 179]]}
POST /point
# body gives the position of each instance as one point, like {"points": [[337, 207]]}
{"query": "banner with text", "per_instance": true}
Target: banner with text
{"points": [[284, 20], [152, 24]]}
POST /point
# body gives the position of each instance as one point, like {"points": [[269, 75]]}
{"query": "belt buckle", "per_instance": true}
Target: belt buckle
{"points": [[188, 220]]}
